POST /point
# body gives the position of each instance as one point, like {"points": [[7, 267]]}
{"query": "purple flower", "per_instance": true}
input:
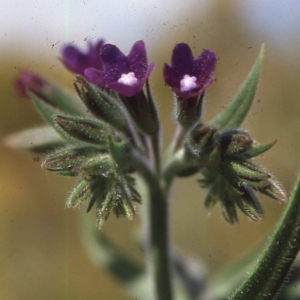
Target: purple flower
{"points": [[32, 82], [77, 61], [123, 74], [189, 77]]}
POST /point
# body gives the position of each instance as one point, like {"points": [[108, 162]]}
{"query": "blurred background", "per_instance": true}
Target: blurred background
{"points": [[42, 255]]}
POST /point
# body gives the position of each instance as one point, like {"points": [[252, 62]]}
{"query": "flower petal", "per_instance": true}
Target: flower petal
{"points": [[77, 61], [182, 60], [205, 65], [138, 59], [114, 61]]}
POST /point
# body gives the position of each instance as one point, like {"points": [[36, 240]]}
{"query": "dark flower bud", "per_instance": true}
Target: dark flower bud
{"points": [[235, 141], [29, 84], [102, 105], [202, 139], [84, 129], [67, 161], [28, 81], [100, 165]]}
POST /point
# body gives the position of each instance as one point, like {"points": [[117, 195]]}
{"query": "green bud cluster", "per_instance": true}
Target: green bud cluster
{"points": [[224, 160]]}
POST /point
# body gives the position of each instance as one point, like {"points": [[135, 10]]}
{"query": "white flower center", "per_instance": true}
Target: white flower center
{"points": [[188, 83], [128, 79]]}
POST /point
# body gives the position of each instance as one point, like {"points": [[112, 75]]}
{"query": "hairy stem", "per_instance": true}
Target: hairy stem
{"points": [[158, 239], [178, 138]]}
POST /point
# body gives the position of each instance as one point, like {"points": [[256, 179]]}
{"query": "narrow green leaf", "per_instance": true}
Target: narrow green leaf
{"points": [[272, 269], [38, 140], [46, 110], [236, 111], [58, 98]]}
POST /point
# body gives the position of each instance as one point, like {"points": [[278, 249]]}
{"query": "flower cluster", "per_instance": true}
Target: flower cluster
{"points": [[117, 133]]}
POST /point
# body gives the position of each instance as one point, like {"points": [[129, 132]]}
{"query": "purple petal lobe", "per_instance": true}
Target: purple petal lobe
{"points": [[77, 61], [114, 61], [182, 60], [138, 59]]}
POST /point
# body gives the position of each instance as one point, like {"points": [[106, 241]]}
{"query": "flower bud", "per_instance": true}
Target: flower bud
{"points": [[30, 83], [101, 105], [235, 141], [84, 129], [67, 162], [202, 138]]}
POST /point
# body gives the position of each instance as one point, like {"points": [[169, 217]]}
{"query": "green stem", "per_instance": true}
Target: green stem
{"points": [[178, 138], [155, 152], [160, 247], [273, 267], [157, 234]]}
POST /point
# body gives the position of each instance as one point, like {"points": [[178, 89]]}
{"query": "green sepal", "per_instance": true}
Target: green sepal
{"points": [[103, 209], [247, 174], [256, 150], [99, 192], [237, 110], [143, 112], [275, 190], [230, 198], [118, 199], [38, 140], [82, 193], [99, 165], [248, 170], [130, 183], [189, 111], [68, 161], [101, 105], [84, 129], [249, 204], [211, 197]]}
